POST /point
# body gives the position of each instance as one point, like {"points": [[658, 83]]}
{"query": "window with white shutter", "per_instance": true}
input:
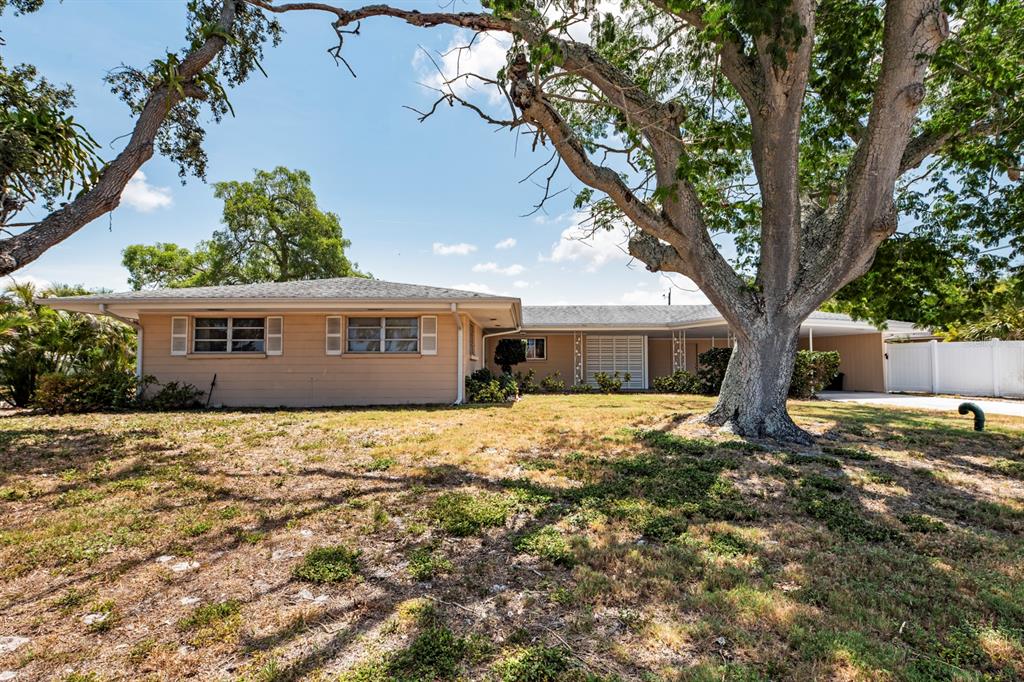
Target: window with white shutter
{"points": [[179, 335], [275, 335], [428, 335], [334, 335]]}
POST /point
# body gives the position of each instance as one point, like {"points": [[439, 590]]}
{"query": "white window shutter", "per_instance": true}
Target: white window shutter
{"points": [[428, 332], [334, 335], [275, 335], [179, 335]]}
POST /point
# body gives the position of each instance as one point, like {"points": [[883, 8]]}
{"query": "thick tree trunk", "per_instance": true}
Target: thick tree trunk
{"points": [[752, 402]]}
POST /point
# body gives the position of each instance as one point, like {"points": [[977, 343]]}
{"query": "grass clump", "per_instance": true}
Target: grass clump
{"points": [[802, 458], [548, 543], [535, 664], [463, 514], [425, 564], [848, 453], [821, 483], [328, 565], [919, 523], [841, 517], [216, 622], [729, 544], [1008, 467]]}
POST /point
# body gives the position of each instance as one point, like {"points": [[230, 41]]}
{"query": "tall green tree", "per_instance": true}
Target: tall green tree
{"points": [[273, 231], [45, 154], [794, 131]]}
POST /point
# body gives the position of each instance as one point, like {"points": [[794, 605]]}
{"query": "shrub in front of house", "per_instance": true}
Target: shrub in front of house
{"points": [[527, 382], [483, 386], [175, 395], [85, 391], [679, 381], [812, 372], [711, 366], [552, 383], [610, 383], [97, 389]]}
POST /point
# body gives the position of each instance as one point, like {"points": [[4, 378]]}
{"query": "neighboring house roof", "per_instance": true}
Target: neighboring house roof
{"points": [[337, 288]]}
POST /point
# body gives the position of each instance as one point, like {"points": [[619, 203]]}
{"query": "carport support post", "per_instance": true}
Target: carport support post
{"points": [[460, 387], [810, 339]]}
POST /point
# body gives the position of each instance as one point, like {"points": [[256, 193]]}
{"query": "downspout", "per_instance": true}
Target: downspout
{"points": [[460, 384], [138, 338]]}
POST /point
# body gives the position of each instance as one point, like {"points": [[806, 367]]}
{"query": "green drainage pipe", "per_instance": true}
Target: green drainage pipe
{"points": [[979, 415]]}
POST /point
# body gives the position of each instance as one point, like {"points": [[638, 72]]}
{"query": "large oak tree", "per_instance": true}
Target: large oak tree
{"points": [[792, 127], [793, 134]]}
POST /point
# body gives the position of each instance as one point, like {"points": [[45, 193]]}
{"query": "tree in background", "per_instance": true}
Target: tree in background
{"points": [[794, 131], [37, 340], [45, 155], [273, 232]]}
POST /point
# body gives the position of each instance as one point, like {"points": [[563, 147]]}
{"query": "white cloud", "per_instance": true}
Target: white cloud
{"points": [[39, 283], [594, 250], [144, 197], [451, 68], [506, 243], [684, 292], [461, 249], [474, 286], [520, 284], [510, 270]]}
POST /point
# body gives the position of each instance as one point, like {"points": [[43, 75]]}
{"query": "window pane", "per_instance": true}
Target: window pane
{"points": [[211, 346], [401, 333], [364, 322], [246, 333], [360, 346], [539, 351], [250, 346], [250, 322], [400, 346], [363, 333], [211, 333], [215, 322]]}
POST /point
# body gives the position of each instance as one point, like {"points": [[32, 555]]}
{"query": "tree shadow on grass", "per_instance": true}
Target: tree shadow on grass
{"points": [[597, 548]]}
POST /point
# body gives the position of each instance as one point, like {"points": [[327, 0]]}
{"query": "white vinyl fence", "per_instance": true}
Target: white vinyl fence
{"points": [[994, 368]]}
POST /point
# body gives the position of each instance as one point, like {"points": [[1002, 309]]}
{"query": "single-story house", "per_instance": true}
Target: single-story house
{"points": [[355, 341]]}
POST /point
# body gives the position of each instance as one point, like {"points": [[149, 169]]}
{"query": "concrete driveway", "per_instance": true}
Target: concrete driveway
{"points": [[925, 402]]}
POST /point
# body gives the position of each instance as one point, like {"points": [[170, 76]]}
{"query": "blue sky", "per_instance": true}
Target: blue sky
{"points": [[438, 202]]}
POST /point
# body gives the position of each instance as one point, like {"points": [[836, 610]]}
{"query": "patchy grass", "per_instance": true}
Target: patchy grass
{"points": [[328, 565], [566, 538]]}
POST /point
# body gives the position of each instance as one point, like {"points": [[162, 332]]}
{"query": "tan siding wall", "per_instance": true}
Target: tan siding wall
{"points": [[559, 357], [860, 359], [659, 359], [304, 375]]}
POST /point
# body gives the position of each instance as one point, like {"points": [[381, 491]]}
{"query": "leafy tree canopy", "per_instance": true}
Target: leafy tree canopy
{"points": [[273, 232]]}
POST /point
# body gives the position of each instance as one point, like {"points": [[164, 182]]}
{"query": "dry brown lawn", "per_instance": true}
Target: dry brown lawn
{"points": [[562, 538]]}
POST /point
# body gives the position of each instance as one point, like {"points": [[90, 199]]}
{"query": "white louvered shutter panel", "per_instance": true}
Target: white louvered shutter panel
{"points": [[428, 334], [334, 335], [275, 335], [179, 335], [611, 354]]}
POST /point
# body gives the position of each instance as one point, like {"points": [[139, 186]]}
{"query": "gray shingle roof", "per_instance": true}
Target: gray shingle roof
{"points": [[631, 315], [615, 315], [337, 288]]}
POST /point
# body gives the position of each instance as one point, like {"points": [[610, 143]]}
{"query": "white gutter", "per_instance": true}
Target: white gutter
{"points": [[460, 384], [138, 337]]}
